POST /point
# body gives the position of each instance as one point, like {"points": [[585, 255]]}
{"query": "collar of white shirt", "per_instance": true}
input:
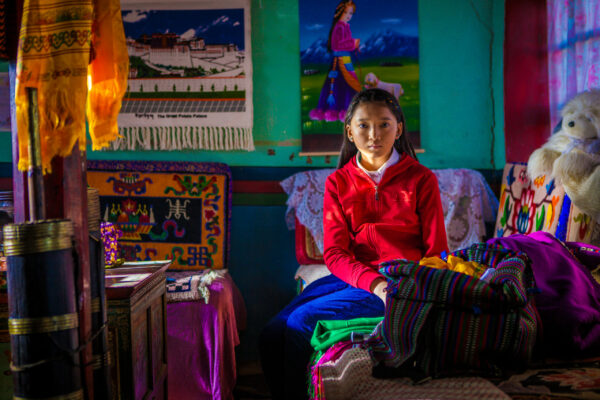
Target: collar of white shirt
{"points": [[377, 175]]}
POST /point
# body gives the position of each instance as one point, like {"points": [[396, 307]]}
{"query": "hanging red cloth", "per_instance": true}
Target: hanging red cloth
{"points": [[526, 110]]}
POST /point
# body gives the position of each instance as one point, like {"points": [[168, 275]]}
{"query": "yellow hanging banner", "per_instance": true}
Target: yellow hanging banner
{"points": [[67, 47]]}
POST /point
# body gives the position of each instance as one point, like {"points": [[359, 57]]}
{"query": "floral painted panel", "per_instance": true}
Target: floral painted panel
{"points": [[541, 204]]}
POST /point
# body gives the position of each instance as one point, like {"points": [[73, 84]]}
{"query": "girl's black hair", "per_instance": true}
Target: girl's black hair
{"points": [[339, 11], [402, 144]]}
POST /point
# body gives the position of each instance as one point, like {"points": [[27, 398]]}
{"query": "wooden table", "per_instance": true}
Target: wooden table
{"points": [[135, 294]]}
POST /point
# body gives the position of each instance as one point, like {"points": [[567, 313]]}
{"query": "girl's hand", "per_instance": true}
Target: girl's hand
{"points": [[378, 288], [356, 43]]}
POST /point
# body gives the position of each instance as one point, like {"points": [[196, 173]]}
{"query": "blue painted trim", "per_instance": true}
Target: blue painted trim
{"points": [[563, 219]]}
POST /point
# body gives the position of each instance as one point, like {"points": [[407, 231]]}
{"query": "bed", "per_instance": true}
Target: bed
{"points": [[525, 206]]}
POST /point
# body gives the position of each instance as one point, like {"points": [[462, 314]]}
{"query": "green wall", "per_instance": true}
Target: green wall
{"points": [[456, 116]]}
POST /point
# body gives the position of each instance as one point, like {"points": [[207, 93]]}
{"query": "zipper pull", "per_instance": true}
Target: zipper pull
{"points": [[376, 194]]}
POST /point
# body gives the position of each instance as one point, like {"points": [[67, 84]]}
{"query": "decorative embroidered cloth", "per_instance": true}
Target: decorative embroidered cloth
{"points": [[167, 210], [540, 205], [56, 40], [191, 285], [190, 81], [467, 200]]}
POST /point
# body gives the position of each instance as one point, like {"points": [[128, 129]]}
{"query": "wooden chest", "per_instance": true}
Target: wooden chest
{"points": [[137, 332]]}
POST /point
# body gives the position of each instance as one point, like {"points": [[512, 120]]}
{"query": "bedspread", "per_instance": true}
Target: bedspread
{"points": [[467, 200], [201, 340], [349, 377]]}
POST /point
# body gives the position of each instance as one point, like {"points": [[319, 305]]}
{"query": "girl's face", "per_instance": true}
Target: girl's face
{"points": [[373, 129], [347, 15]]}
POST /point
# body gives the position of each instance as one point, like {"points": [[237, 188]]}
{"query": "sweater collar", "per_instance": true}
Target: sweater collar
{"points": [[404, 163]]}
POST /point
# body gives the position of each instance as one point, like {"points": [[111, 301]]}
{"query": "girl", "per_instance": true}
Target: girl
{"points": [[341, 83], [380, 204]]}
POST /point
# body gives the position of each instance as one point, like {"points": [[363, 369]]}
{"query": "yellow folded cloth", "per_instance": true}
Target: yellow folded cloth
{"points": [[455, 264]]}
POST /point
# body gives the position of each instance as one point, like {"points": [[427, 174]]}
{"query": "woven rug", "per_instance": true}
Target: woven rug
{"points": [[167, 210], [576, 380]]}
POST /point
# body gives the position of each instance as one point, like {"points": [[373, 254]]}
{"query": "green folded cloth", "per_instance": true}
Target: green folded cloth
{"points": [[329, 332]]}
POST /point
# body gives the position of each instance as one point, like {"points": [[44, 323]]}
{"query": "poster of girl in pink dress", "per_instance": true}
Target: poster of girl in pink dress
{"points": [[349, 45]]}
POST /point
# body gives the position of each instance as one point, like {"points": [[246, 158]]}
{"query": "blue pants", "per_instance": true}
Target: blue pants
{"points": [[285, 348]]}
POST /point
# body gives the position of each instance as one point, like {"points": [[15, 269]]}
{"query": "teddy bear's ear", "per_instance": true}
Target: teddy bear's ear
{"points": [[572, 106], [558, 127]]}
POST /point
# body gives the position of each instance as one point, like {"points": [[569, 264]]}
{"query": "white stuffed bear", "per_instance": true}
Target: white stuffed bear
{"points": [[572, 155]]}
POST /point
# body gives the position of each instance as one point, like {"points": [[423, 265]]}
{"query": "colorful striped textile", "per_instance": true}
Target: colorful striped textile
{"points": [[440, 322]]}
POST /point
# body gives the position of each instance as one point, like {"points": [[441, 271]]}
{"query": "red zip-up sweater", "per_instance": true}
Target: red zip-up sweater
{"points": [[366, 223]]}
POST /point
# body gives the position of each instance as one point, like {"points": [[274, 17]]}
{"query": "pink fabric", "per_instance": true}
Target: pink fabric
{"points": [[574, 50], [201, 340]]}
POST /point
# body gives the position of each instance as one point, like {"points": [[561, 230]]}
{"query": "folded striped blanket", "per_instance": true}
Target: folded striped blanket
{"points": [[442, 322]]}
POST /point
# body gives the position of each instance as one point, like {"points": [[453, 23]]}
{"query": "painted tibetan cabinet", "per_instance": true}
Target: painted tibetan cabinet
{"points": [[136, 299]]}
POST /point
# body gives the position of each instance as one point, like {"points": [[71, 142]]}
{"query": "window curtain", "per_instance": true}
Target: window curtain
{"points": [[526, 116], [573, 50]]}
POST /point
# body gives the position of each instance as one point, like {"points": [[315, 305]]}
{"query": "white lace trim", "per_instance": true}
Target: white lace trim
{"points": [[467, 200]]}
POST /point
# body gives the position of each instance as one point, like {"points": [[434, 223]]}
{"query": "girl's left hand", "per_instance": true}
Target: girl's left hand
{"points": [[379, 286]]}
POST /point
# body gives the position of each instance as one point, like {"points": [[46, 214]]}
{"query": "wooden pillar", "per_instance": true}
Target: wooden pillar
{"points": [[66, 197]]}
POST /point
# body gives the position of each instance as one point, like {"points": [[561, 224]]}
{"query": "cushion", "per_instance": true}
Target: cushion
{"points": [[307, 274], [167, 210], [576, 226], [307, 251]]}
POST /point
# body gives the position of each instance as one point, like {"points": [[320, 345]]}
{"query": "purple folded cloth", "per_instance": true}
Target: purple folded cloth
{"points": [[569, 301]]}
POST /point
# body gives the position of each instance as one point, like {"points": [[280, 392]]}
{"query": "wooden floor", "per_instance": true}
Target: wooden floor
{"points": [[251, 383]]}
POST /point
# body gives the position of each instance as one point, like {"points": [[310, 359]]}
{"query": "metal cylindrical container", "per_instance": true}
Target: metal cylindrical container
{"points": [[100, 354], [43, 320]]}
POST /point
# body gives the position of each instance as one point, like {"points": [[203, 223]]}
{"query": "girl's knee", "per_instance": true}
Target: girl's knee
{"points": [[301, 323]]}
